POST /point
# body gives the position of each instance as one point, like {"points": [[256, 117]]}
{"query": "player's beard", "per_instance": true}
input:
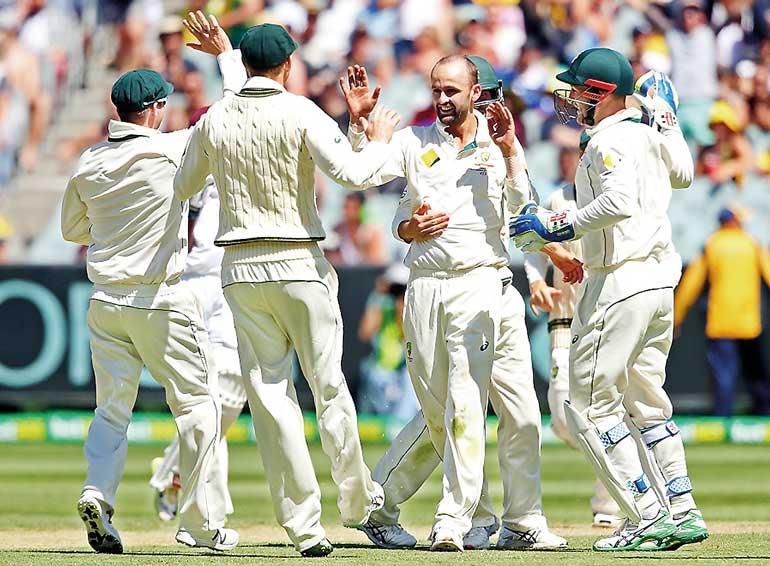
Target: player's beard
{"points": [[449, 114]]}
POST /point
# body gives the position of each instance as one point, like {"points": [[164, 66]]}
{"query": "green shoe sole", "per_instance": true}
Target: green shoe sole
{"points": [[680, 539], [323, 548]]}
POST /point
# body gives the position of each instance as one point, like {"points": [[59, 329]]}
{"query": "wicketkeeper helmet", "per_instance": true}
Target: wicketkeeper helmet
{"points": [[491, 86], [603, 71]]}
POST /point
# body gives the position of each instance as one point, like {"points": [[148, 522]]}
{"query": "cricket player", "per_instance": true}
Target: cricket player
{"points": [[623, 321], [411, 459], [559, 302], [202, 274], [120, 203], [455, 169], [262, 147]]}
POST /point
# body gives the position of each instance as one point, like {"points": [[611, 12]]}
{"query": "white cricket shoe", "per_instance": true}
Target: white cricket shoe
{"points": [[532, 539], [388, 536], [219, 539], [606, 521], [102, 536], [478, 537], [648, 534], [445, 540]]}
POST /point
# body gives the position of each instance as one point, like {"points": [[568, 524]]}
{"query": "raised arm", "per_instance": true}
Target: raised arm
{"points": [[213, 40], [332, 152], [676, 154], [195, 167], [502, 129]]}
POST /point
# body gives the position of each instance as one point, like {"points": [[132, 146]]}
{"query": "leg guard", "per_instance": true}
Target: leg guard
{"points": [[650, 467], [594, 446], [665, 444]]}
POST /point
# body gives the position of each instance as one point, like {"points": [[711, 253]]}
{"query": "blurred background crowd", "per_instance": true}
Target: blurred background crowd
{"points": [[58, 58]]}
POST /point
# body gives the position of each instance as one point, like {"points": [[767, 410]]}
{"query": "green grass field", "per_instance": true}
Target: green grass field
{"points": [[40, 483]]}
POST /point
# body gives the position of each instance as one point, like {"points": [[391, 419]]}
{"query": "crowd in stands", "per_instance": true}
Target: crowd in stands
{"points": [[717, 53]]}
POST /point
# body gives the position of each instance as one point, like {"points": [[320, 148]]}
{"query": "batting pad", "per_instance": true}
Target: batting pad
{"points": [[589, 443]]}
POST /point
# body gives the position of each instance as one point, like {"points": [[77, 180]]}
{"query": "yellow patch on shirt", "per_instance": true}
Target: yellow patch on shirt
{"points": [[430, 157], [609, 162]]}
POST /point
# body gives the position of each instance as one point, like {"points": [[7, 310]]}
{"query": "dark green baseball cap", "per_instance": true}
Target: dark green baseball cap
{"points": [[602, 68], [485, 74], [137, 89], [266, 46]]}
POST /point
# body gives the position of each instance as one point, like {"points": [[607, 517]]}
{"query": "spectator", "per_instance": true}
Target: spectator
{"points": [[360, 242], [734, 266], [385, 387], [758, 132], [22, 70], [235, 16], [172, 44], [730, 158], [6, 231], [694, 69]]}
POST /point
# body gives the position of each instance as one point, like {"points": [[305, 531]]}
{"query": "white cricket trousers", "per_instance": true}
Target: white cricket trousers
{"points": [[558, 392], [165, 333], [225, 363], [272, 319], [410, 460], [451, 324], [622, 332]]}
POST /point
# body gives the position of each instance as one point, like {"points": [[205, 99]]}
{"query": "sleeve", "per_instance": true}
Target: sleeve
{"points": [[233, 71], [518, 188], [191, 175], [332, 153], [75, 225], [689, 288], [764, 263], [617, 176], [676, 154], [356, 137], [535, 266], [403, 212]]}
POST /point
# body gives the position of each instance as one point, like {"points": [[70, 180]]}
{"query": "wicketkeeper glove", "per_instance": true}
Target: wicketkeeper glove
{"points": [[534, 227], [659, 100]]}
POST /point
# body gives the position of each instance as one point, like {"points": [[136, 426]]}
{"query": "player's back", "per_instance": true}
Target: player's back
{"points": [[262, 167], [624, 158], [126, 184]]}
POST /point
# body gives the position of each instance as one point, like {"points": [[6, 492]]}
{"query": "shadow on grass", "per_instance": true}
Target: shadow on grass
{"points": [[673, 556], [211, 554]]}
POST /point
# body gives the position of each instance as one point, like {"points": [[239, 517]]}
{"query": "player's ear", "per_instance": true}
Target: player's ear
{"points": [[475, 92]]}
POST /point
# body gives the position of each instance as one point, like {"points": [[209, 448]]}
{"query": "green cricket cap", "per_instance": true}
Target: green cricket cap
{"points": [[137, 89], [600, 67], [266, 46], [485, 74]]}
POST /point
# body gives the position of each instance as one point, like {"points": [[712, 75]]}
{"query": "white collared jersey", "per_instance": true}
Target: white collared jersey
{"points": [[623, 182], [262, 147], [469, 184], [120, 203]]}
